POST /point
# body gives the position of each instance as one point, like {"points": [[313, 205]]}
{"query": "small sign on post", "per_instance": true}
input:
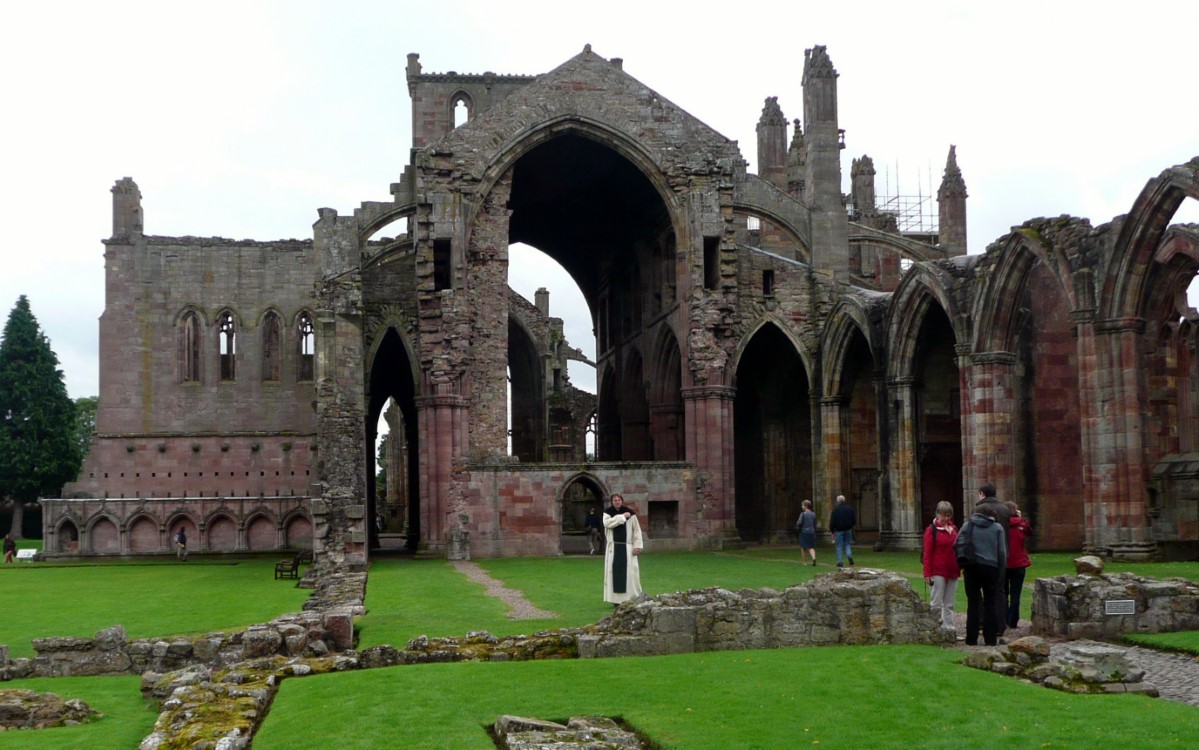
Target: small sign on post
{"points": [[1120, 606]]}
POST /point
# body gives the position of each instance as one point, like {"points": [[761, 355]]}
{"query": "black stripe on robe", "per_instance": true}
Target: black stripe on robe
{"points": [[620, 555]]}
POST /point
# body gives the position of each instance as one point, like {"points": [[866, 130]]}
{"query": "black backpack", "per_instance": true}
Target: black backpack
{"points": [[963, 547]]}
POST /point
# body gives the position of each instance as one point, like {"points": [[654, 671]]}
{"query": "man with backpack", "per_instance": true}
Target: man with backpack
{"points": [[988, 504], [981, 549]]}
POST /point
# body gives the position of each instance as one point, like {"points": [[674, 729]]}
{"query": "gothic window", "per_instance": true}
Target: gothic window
{"points": [[462, 107], [189, 348], [272, 336], [227, 340], [307, 347]]}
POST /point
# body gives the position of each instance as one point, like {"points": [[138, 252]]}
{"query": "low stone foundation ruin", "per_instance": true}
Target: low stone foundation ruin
{"points": [[1103, 606], [327, 626], [848, 607]]}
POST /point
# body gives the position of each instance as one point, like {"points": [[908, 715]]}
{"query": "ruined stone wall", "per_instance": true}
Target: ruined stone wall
{"points": [[515, 509], [147, 526], [161, 434]]}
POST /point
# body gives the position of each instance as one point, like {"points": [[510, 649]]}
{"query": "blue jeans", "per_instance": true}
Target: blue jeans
{"points": [[844, 543]]}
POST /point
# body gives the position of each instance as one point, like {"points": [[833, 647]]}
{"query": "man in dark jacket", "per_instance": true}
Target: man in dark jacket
{"points": [[981, 568], [841, 523], [989, 505]]}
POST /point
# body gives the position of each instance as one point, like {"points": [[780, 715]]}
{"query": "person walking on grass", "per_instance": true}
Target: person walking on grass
{"points": [[806, 525], [10, 547], [941, 569], [181, 544], [841, 523], [594, 530], [1019, 531]]}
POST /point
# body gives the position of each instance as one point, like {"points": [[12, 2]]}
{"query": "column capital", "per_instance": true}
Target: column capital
{"points": [[1120, 325], [1007, 359], [695, 392]]}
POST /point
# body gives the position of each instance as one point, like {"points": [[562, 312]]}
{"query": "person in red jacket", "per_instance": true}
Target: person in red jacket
{"points": [[940, 563], [1018, 532]]}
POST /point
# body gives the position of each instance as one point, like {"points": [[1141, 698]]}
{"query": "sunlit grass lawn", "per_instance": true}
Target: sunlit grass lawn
{"points": [[847, 697], [149, 599]]}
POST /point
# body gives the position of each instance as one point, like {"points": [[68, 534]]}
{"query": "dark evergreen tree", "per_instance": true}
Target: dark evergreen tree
{"points": [[38, 447], [85, 422]]}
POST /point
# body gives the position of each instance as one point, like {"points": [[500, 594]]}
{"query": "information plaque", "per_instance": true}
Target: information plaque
{"points": [[1120, 607]]}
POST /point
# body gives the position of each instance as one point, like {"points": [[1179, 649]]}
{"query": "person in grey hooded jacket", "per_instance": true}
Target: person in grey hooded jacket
{"points": [[982, 553]]}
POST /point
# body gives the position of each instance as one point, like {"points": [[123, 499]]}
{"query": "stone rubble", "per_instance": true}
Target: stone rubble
{"points": [[1077, 667], [591, 732], [28, 709]]}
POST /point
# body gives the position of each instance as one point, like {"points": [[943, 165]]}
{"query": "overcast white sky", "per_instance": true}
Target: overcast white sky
{"points": [[240, 119]]}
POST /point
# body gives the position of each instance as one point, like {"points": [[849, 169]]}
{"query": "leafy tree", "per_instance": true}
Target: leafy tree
{"points": [[38, 447], [85, 422], [381, 467]]}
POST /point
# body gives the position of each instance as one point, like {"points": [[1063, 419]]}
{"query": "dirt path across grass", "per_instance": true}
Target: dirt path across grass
{"points": [[519, 608]]}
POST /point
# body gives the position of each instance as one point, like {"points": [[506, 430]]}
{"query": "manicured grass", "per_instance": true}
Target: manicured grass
{"points": [[849, 697], [406, 598], [149, 599], [126, 720], [1186, 641]]}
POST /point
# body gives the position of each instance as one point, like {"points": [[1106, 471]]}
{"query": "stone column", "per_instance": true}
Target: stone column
{"points": [[709, 410], [988, 428], [901, 527], [1115, 469], [833, 444], [442, 419]]}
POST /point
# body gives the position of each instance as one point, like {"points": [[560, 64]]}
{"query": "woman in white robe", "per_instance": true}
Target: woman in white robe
{"points": [[622, 532]]}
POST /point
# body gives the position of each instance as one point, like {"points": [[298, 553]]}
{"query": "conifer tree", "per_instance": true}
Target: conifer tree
{"points": [[38, 448]]}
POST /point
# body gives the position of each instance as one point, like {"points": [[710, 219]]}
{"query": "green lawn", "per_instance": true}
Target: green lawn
{"points": [[149, 599], [834, 697], [849, 697], [126, 720]]}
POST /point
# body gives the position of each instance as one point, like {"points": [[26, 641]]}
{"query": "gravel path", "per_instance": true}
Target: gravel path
{"points": [[519, 608]]}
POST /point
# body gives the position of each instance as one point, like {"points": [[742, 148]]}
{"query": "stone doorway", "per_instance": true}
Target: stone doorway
{"points": [[579, 496]]}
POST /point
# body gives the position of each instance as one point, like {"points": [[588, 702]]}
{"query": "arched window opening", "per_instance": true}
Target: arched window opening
{"points": [[189, 348], [461, 110], [307, 347], [272, 335], [227, 335]]}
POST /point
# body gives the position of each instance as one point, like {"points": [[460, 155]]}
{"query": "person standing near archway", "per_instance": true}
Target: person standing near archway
{"points": [[622, 532]]}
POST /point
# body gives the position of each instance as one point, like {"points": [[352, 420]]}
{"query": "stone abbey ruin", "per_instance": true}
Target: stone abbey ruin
{"points": [[760, 339]]}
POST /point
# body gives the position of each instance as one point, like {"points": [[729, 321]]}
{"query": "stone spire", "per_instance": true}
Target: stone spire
{"points": [[772, 142], [126, 209], [796, 158], [951, 199], [861, 191], [822, 170]]}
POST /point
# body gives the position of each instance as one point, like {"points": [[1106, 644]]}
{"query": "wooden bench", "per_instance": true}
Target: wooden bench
{"points": [[291, 568]]}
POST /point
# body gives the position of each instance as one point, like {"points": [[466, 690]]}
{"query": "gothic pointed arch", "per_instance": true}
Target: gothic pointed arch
{"points": [[1000, 307], [851, 421], [189, 323], [667, 415], [772, 434], [925, 286], [271, 328], [1125, 286]]}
